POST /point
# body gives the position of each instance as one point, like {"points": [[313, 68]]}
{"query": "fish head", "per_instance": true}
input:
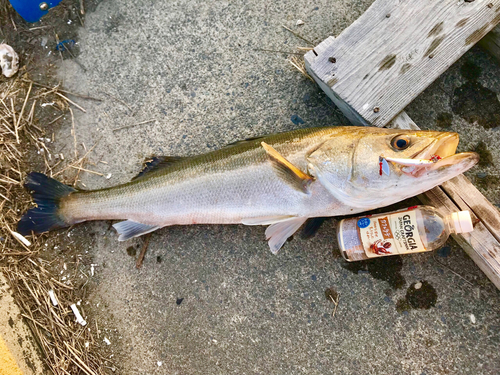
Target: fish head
{"points": [[349, 165]]}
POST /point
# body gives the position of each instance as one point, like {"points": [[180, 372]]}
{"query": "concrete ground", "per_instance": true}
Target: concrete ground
{"points": [[213, 299]]}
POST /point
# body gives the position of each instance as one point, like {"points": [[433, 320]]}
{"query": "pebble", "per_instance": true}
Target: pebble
{"points": [[473, 318], [418, 285], [300, 22]]}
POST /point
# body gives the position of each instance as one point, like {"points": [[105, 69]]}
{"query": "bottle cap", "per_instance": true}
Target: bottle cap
{"points": [[462, 221]]}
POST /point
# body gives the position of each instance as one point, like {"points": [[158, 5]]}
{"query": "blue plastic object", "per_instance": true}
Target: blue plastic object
{"points": [[31, 10]]}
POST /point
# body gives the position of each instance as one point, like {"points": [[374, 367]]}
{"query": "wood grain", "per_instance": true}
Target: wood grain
{"points": [[491, 42], [394, 51]]}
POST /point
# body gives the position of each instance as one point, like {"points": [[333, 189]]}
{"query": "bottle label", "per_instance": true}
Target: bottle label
{"points": [[390, 234]]}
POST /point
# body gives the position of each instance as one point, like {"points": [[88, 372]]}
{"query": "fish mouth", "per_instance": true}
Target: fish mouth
{"points": [[444, 146], [439, 154]]}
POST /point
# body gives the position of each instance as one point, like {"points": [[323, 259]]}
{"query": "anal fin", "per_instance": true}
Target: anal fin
{"points": [[278, 233], [286, 170], [129, 229]]}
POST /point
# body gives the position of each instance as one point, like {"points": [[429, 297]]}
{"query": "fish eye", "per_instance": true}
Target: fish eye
{"points": [[400, 142]]}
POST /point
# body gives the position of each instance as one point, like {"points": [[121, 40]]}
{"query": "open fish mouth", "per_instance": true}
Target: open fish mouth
{"points": [[440, 153]]}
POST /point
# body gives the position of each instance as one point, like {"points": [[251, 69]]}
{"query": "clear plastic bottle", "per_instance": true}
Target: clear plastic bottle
{"points": [[411, 230]]}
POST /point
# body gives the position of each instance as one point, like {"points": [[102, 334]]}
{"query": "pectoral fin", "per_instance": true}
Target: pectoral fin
{"points": [[129, 229], [278, 233], [287, 171]]}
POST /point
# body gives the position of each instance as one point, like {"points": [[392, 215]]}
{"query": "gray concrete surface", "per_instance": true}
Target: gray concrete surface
{"points": [[193, 67]]}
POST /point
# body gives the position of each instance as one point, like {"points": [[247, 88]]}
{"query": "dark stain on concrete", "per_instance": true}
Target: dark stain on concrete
{"points": [[485, 157], [487, 181], [385, 268], [424, 297], [405, 68], [435, 44], [331, 293], [444, 120], [477, 35], [462, 22], [387, 62], [131, 251], [474, 102], [436, 29]]}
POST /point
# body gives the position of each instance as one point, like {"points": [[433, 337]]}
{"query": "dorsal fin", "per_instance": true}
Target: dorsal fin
{"points": [[287, 171], [246, 140], [158, 162]]}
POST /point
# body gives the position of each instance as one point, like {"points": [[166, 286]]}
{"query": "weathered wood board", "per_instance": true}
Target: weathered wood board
{"points": [[459, 194], [491, 42], [397, 48], [361, 55]]}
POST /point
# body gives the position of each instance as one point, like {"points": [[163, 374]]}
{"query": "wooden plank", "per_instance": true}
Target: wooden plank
{"points": [[394, 51], [459, 194], [480, 245], [468, 197], [491, 42]]}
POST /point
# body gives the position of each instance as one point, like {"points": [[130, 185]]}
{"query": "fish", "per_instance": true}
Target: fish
{"points": [[279, 180]]}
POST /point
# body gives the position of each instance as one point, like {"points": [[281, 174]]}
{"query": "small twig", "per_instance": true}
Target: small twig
{"points": [[86, 170], [65, 91], [138, 263], [336, 303], [40, 27], [138, 123], [24, 106], [73, 132], [298, 65], [57, 118], [14, 117], [272, 50], [449, 269], [71, 101], [117, 99], [78, 361], [298, 35]]}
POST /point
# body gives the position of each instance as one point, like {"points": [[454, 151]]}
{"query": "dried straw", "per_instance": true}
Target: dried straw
{"points": [[67, 347]]}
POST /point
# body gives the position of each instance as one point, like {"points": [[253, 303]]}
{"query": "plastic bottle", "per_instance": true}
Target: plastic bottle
{"points": [[412, 230]]}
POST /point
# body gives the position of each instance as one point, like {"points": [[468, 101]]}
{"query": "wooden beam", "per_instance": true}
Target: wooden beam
{"points": [[482, 247], [394, 51], [491, 42], [459, 194]]}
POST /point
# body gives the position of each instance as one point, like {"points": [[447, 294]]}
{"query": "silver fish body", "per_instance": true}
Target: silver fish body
{"points": [[245, 183]]}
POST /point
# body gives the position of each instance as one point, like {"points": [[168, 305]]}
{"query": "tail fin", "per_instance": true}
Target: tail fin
{"points": [[47, 193]]}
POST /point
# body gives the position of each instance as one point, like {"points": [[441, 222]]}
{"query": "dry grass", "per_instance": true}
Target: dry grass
{"points": [[67, 347]]}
